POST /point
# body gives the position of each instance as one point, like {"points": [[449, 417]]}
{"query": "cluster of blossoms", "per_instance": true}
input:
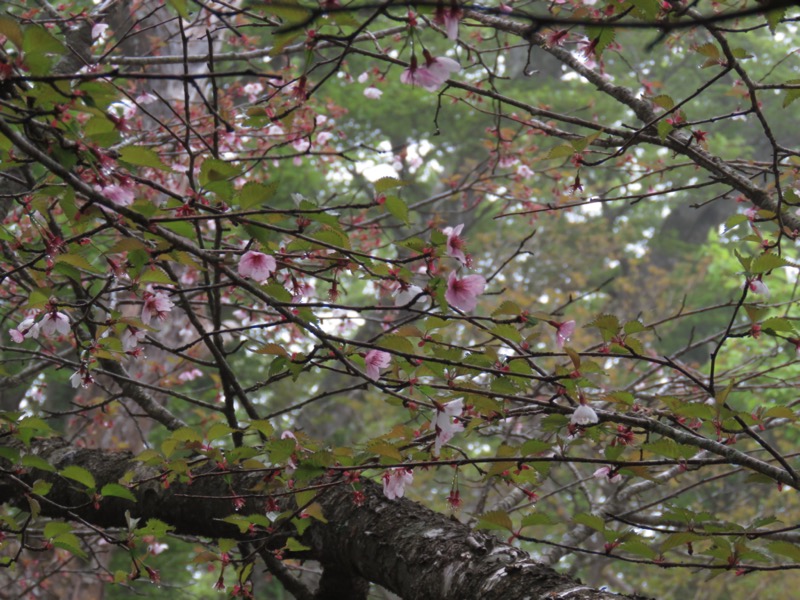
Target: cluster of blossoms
{"points": [[81, 378], [53, 322], [395, 482], [131, 337], [121, 194], [436, 71], [155, 306], [462, 292]]}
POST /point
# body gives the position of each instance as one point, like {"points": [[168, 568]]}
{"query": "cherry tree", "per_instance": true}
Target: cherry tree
{"points": [[463, 301]]}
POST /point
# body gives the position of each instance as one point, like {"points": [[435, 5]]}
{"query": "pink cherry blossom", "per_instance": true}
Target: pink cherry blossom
{"points": [[146, 98], [430, 77], [455, 243], [462, 293], [190, 375], [118, 194], [446, 424], [584, 415], [606, 473], [373, 93], [758, 287], [375, 360], [524, 172], [157, 548], [257, 266], [81, 378], [28, 328], [253, 90], [395, 482], [131, 337], [155, 306], [564, 331], [449, 19], [411, 293], [54, 322], [98, 30]]}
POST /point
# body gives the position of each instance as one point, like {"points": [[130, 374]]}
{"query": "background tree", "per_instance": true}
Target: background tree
{"points": [[268, 268]]}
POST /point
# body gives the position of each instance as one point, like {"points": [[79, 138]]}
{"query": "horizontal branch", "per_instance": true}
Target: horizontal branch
{"points": [[399, 544]]}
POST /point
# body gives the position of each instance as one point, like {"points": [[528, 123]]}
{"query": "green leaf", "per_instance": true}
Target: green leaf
{"points": [[669, 448], [80, 475], [679, 539], [217, 431], [664, 101], [787, 549], [508, 332], [387, 183], [592, 521], [181, 7], [507, 307], [272, 349], [32, 461], [777, 324], [709, 50], [40, 49], [142, 157], [41, 487], [11, 29], [385, 449], [77, 261], [397, 208], [632, 327], [295, 546], [70, 543], [214, 169], [538, 518], [12, 455], [255, 194], [496, 520], [603, 38], [562, 151], [639, 548], [118, 491], [56, 528], [535, 447], [774, 18], [766, 262], [155, 528], [263, 426], [664, 129], [398, 343], [735, 220]]}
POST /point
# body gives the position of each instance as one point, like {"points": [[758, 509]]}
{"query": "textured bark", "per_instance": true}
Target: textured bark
{"points": [[401, 545], [422, 555]]}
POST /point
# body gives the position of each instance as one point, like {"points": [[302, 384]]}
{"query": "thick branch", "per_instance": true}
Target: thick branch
{"points": [[398, 544]]}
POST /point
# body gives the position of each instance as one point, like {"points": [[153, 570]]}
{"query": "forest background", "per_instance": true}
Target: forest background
{"points": [[268, 268]]}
